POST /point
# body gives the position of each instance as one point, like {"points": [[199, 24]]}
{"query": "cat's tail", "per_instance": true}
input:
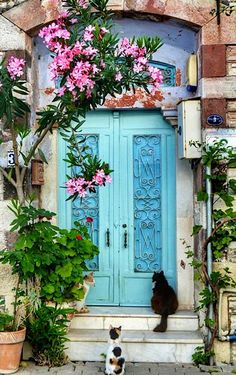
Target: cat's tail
{"points": [[163, 324]]}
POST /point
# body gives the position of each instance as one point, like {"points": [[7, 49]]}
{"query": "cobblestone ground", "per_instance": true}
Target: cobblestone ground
{"points": [[94, 368]]}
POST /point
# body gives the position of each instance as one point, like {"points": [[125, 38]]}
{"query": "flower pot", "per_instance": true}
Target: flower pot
{"points": [[11, 344]]}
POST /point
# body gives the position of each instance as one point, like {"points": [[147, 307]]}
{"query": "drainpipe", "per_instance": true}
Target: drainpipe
{"points": [[221, 336], [209, 230]]}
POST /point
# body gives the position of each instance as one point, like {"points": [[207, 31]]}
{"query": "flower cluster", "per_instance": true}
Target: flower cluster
{"points": [[80, 63], [81, 187], [15, 67], [140, 62]]}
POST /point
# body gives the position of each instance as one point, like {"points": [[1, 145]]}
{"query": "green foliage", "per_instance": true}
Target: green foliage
{"points": [[202, 196], [219, 157], [12, 106], [6, 321], [196, 229], [200, 356], [57, 257], [46, 332]]}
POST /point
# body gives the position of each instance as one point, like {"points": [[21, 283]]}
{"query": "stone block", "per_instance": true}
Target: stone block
{"points": [[116, 4], [231, 119], [213, 61], [231, 54], [231, 105], [213, 106], [231, 69], [32, 14], [12, 38], [224, 87]]}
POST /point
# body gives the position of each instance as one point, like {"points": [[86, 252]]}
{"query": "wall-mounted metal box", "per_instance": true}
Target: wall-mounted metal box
{"points": [[37, 172], [189, 129]]}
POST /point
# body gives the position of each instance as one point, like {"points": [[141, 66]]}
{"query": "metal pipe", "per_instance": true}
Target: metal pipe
{"points": [[209, 231]]}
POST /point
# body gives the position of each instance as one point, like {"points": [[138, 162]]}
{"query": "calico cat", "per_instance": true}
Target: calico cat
{"points": [[115, 363], [88, 281], [164, 300]]}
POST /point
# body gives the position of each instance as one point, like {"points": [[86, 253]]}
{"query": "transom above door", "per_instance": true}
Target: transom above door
{"points": [[134, 217]]}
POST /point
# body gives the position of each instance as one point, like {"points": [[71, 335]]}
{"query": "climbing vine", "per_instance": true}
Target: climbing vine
{"points": [[219, 157]]}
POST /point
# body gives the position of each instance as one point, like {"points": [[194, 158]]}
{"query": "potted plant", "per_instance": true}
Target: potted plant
{"points": [[12, 336], [49, 263]]}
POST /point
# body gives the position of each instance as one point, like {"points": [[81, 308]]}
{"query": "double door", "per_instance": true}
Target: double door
{"points": [[134, 217]]}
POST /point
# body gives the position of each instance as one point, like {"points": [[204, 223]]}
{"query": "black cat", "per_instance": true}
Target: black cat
{"points": [[164, 300]]}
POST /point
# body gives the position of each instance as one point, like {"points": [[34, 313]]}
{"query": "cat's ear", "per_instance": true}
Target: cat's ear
{"points": [[91, 273], [119, 328], [161, 273]]}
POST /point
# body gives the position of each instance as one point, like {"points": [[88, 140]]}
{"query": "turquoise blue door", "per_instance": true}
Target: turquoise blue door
{"points": [[134, 217]]}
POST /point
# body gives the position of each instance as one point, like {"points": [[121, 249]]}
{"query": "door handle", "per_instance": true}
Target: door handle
{"points": [[108, 237], [125, 236]]}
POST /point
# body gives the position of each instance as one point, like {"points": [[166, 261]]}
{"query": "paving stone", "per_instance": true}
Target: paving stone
{"points": [[97, 368], [231, 369]]}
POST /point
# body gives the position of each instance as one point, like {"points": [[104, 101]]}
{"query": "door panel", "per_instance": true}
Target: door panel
{"points": [[146, 166], [138, 208]]}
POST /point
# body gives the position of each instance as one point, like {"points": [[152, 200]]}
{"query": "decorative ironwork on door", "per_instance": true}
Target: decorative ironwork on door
{"points": [[89, 206], [147, 202]]}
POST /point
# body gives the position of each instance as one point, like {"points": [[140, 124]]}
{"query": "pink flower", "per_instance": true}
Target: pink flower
{"points": [[61, 91], [15, 67], [79, 237], [88, 33], [73, 21], [104, 30], [108, 179], [118, 76], [138, 68], [63, 14], [83, 3], [71, 186], [99, 177]]}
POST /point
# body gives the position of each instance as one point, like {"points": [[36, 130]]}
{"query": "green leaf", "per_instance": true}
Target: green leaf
{"points": [[64, 271], [42, 156], [49, 289], [196, 229], [202, 196]]}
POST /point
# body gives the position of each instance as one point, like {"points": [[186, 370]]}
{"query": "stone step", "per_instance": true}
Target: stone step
{"points": [[133, 318], [137, 346]]}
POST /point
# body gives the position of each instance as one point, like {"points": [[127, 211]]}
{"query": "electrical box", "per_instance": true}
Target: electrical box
{"points": [[189, 129], [37, 171]]}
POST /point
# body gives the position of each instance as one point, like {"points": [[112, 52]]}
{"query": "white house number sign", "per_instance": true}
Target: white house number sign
{"points": [[10, 159]]}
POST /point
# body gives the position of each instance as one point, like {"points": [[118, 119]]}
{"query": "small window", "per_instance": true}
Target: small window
{"points": [[168, 72]]}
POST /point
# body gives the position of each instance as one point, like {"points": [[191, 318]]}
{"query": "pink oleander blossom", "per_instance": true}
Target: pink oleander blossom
{"points": [[156, 78], [80, 186], [108, 179], [70, 186], [88, 33], [15, 67], [83, 4], [118, 77], [104, 30], [61, 91], [73, 21]]}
